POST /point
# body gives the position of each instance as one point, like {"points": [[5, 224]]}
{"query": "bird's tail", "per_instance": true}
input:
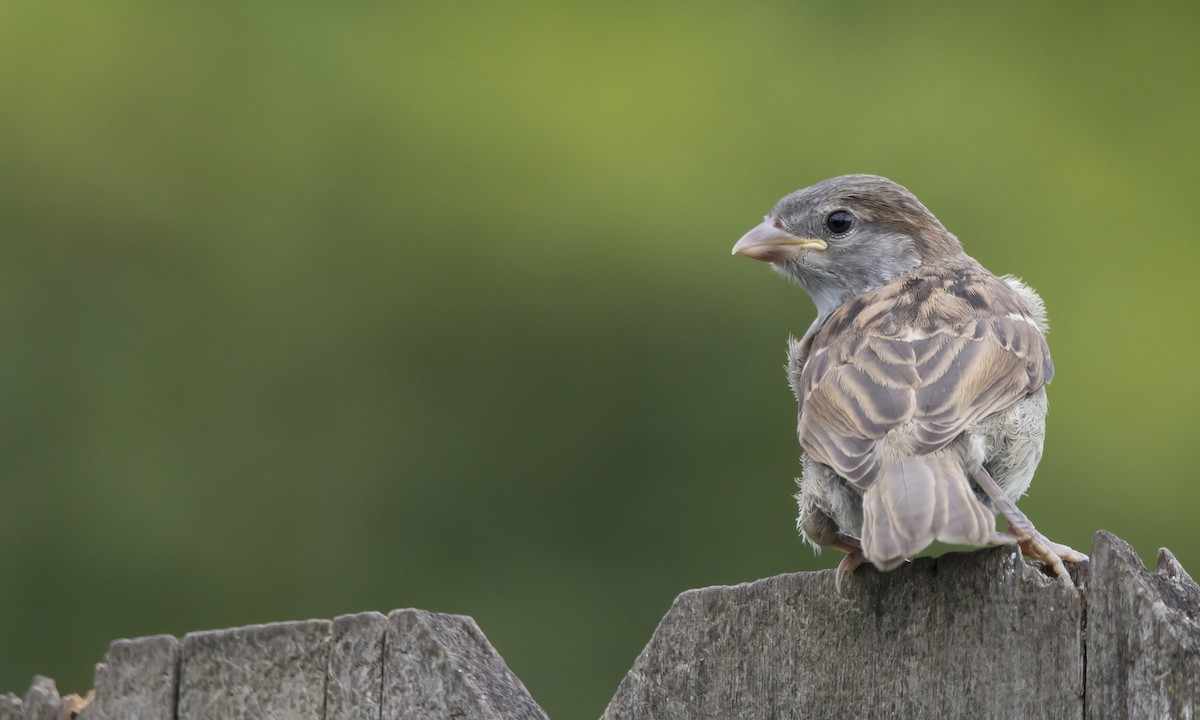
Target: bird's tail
{"points": [[917, 501]]}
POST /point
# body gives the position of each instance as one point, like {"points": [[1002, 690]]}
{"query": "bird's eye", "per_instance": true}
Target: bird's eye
{"points": [[839, 221]]}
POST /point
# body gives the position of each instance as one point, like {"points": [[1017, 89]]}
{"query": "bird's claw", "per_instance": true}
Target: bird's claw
{"points": [[1037, 546], [849, 564]]}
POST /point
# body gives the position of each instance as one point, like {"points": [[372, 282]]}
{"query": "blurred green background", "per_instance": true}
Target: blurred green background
{"points": [[313, 308]]}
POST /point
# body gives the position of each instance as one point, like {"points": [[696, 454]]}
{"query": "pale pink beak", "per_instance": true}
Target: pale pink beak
{"points": [[769, 242]]}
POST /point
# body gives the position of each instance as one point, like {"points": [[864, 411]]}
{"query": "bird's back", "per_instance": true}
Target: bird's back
{"points": [[921, 358], [883, 397]]}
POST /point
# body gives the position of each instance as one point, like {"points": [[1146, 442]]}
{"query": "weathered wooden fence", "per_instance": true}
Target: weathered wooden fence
{"points": [[965, 635]]}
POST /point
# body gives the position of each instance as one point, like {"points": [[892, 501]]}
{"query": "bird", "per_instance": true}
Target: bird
{"points": [[920, 385]]}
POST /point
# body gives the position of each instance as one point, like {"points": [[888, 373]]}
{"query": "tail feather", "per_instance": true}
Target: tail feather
{"points": [[917, 501]]}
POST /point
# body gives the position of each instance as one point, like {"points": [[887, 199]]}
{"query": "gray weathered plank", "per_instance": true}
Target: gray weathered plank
{"points": [[137, 679], [975, 635], [355, 680], [42, 701], [11, 707], [260, 672], [441, 666], [1143, 635], [980, 635]]}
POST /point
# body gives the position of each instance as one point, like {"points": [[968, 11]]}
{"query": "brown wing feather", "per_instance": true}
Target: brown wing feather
{"points": [[932, 366]]}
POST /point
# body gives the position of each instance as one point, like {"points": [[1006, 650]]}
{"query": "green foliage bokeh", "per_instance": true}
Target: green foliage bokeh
{"points": [[317, 308]]}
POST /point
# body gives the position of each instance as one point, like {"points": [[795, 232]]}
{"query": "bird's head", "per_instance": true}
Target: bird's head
{"points": [[846, 236]]}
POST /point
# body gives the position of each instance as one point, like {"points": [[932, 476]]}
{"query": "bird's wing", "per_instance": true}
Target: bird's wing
{"points": [[928, 382]]}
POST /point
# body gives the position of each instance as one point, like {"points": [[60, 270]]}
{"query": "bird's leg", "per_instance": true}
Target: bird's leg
{"points": [[852, 546], [1022, 532]]}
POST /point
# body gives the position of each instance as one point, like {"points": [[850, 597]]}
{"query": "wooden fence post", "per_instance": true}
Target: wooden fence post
{"points": [[980, 635]]}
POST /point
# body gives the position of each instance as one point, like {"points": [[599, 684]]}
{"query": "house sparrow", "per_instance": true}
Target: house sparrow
{"points": [[921, 384]]}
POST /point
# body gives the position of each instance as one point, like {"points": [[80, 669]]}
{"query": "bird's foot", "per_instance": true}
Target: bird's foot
{"points": [[1037, 546], [852, 546], [1022, 532], [849, 564]]}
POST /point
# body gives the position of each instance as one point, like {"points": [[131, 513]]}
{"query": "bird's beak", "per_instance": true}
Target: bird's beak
{"points": [[770, 243]]}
